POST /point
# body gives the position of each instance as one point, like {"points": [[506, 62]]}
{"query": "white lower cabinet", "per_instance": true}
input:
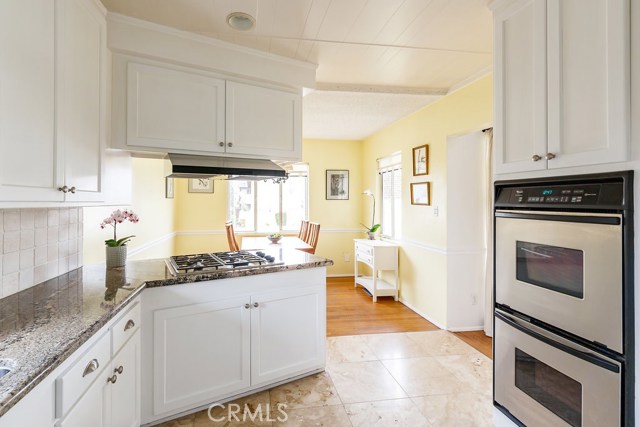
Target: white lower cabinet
{"points": [[287, 333], [211, 341], [101, 388], [124, 393], [201, 352]]}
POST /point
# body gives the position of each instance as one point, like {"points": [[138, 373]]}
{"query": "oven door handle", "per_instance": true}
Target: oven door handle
{"points": [[585, 219], [588, 357]]}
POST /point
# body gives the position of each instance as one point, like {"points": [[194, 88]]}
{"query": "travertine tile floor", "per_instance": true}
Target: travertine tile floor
{"points": [[410, 379]]}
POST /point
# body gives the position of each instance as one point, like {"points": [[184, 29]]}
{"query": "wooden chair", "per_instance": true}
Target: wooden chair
{"points": [[231, 237], [304, 230], [312, 237]]}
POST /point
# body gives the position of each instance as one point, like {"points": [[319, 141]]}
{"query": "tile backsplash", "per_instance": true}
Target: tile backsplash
{"points": [[37, 245]]}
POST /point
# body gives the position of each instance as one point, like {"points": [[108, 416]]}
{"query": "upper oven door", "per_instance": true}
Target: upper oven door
{"points": [[564, 269]]}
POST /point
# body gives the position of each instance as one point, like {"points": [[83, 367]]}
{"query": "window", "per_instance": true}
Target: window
{"points": [[390, 170], [267, 206]]}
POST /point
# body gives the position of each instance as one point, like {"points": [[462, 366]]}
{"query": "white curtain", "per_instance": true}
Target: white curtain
{"points": [[488, 304]]}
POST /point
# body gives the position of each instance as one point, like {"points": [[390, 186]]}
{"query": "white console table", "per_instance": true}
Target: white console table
{"points": [[380, 256]]}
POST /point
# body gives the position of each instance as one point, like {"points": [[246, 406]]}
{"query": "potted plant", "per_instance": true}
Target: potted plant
{"points": [[371, 231], [116, 249]]}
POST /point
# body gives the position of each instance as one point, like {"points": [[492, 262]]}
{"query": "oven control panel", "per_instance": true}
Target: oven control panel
{"points": [[587, 194], [568, 195]]}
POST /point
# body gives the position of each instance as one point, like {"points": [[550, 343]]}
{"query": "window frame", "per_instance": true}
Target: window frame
{"points": [[254, 185], [389, 164]]}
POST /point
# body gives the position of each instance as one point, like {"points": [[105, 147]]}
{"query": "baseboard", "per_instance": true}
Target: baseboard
{"points": [[467, 329], [421, 314], [339, 275]]}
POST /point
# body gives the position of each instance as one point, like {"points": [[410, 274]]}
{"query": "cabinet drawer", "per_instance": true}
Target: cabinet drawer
{"points": [[365, 257], [365, 249], [71, 385], [124, 328]]}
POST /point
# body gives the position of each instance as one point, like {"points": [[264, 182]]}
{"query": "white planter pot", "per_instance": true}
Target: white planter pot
{"points": [[116, 256]]}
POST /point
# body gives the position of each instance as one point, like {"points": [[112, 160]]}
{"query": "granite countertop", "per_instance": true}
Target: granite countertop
{"points": [[42, 326]]}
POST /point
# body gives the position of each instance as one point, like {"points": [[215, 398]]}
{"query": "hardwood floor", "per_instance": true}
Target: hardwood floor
{"points": [[351, 312]]}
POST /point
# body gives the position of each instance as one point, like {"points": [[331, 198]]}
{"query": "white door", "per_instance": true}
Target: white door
{"points": [[91, 409], [201, 353], [28, 163], [588, 54], [81, 67], [288, 329], [520, 109], [125, 392], [173, 109], [263, 122]]}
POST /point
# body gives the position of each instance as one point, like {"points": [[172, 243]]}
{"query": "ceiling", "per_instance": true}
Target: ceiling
{"points": [[378, 60]]}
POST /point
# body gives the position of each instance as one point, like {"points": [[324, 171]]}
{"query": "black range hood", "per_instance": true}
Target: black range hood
{"points": [[193, 166]]}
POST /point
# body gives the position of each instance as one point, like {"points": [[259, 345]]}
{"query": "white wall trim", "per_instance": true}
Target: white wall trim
{"points": [[421, 314], [471, 79], [431, 248], [151, 243], [467, 329], [201, 233], [339, 275]]}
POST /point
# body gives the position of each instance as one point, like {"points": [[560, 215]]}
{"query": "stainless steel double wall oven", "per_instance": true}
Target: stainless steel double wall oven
{"points": [[563, 324]]}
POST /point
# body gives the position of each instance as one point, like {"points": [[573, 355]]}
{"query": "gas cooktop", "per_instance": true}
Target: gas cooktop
{"points": [[203, 263]]}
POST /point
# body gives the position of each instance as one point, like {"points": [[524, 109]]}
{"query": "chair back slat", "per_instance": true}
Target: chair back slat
{"points": [[304, 230], [231, 237], [312, 238]]}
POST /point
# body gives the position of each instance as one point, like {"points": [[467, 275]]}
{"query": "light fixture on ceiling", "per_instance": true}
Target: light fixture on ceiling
{"points": [[241, 21]]}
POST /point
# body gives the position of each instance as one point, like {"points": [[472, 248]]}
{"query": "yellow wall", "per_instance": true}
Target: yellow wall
{"points": [[338, 218], [148, 201], [423, 264]]}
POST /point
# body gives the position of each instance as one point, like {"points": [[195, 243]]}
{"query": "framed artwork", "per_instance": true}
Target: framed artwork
{"points": [[168, 188], [421, 160], [421, 193], [337, 185], [200, 185]]}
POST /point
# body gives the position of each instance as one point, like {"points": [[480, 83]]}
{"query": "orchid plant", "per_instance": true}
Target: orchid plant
{"points": [[118, 217]]}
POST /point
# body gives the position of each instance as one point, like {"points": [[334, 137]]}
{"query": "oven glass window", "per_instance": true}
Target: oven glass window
{"points": [[549, 387], [551, 267]]}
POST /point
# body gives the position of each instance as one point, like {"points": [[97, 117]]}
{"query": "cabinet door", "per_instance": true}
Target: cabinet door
{"points": [[173, 109], [287, 333], [81, 68], [201, 353], [588, 54], [125, 392], [520, 99], [28, 162], [91, 409], [263, 122]]}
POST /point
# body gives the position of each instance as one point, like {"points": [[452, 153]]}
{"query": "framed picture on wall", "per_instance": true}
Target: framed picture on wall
{"points": [[200, 185], [421, 160], [168, 188], [337, 185], [421, 193]]}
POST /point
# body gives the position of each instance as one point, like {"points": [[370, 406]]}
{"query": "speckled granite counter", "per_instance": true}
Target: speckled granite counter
{"points": [[42, 326]]}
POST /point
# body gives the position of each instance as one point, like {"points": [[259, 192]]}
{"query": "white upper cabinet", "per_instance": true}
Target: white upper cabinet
{"points": [[173, 109], [264, 122], [561, 84], [28, 167], [81, 64], [53, 77], [167, 108]]}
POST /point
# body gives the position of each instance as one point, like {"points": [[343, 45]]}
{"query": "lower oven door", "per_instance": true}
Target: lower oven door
{"points": [[564, 269], [545, 380]]}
